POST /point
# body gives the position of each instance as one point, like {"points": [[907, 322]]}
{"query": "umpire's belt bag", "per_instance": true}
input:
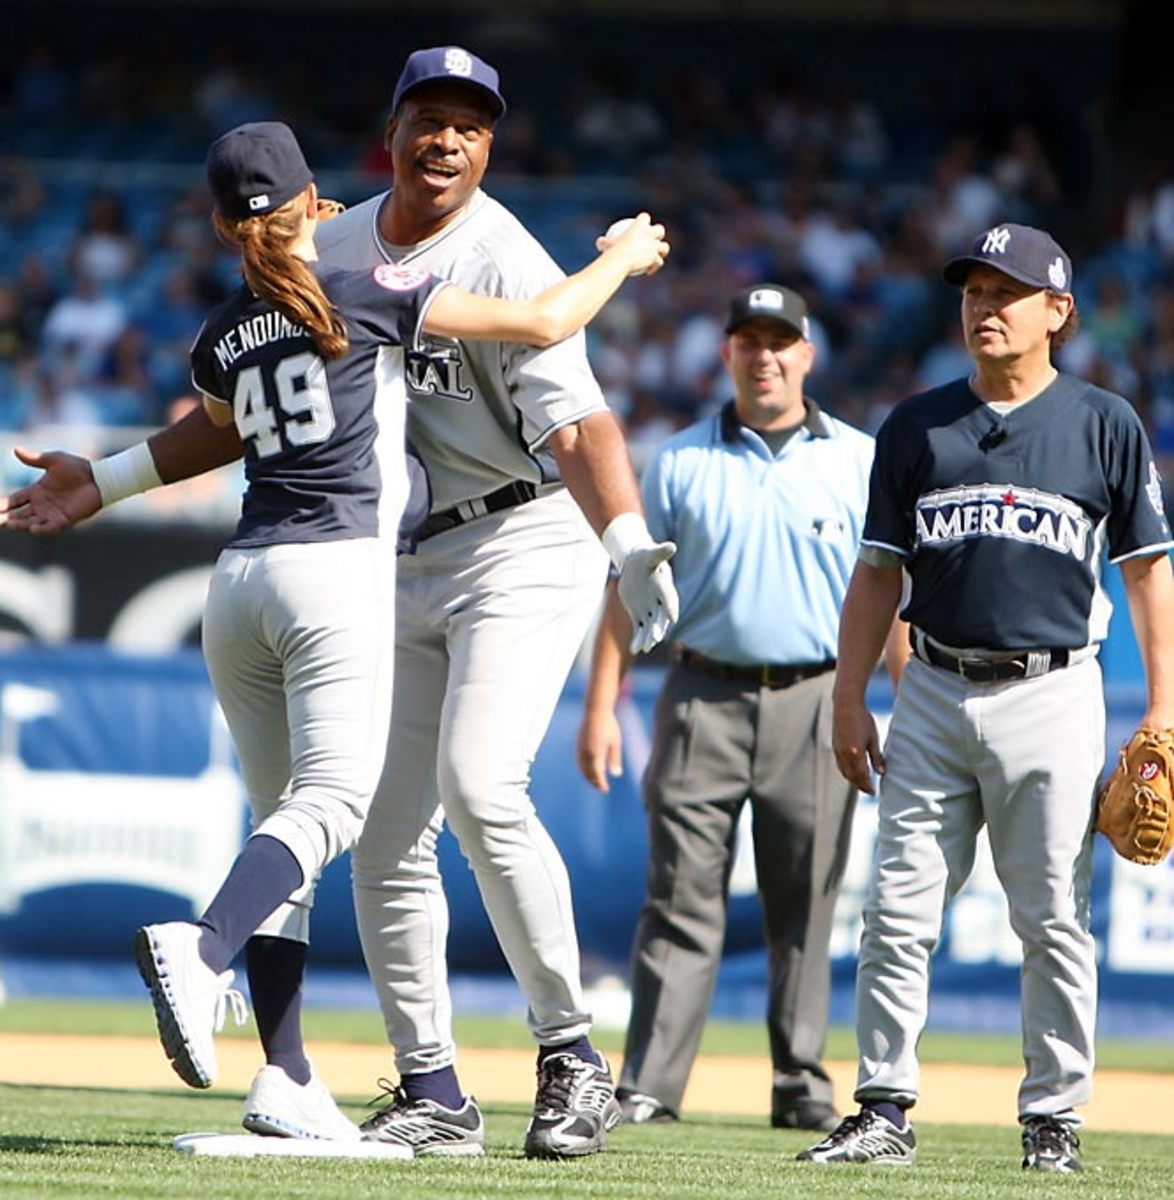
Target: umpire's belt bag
{"points": [[518, 492], [1026, 664], [767, 675]]}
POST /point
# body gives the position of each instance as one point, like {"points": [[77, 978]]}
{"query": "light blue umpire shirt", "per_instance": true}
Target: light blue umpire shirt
{"points": [[765, 543]]}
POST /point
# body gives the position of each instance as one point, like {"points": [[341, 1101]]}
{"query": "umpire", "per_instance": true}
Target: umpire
{"points": [[765, 501]]}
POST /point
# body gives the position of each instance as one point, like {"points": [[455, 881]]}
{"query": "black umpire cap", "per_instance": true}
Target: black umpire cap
{"points": [[452, 64], [1025, 253], [255, 168], [769, 302]]}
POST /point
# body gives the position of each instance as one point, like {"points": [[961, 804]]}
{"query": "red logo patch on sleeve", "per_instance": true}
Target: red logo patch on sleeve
{"points": [[399, 279]]}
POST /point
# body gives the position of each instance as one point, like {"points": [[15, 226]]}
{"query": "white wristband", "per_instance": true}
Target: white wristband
{"points": [[126, 473], [625, 533]]}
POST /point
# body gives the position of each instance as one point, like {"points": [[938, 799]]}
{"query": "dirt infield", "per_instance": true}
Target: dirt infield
{"points": [[966, 1095]]}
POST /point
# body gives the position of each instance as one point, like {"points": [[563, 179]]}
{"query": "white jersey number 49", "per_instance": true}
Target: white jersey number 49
{"points": [[303, 397]]}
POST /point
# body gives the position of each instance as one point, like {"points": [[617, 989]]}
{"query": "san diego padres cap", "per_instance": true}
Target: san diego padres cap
{"points": [[769, 302], [1025, 253], [256, 168], [454, 65]]}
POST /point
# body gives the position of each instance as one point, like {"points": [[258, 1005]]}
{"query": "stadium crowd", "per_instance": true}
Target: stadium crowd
{"points": [[108, 264]]}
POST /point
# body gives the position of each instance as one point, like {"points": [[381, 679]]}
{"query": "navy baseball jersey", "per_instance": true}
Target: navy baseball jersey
{"points": [[324, 440], [991, 513]]}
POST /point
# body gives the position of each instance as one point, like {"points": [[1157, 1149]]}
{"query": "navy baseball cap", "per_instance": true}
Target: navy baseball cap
{"points": [[450, 64], [256, 168], [1025, 253], [769, 302]]}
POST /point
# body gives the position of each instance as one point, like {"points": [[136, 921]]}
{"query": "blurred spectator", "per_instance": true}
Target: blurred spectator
{"points": [[36, 296], [105, 249], [965, 202], [612, 120], [171, 325], [85, 322], [1026, 178]]}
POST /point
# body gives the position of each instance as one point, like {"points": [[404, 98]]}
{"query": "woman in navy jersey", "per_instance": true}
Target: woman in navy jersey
{"points": [[307, 365]]}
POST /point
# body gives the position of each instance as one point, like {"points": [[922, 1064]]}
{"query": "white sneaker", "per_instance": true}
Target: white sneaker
{"points": [[278, 1107], [190, 998]]}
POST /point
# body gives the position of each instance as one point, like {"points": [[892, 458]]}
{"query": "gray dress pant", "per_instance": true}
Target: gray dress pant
{"points": [[717, 745]]}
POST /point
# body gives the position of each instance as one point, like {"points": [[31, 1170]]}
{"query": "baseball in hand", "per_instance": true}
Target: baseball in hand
{"points": [[617, 229]]}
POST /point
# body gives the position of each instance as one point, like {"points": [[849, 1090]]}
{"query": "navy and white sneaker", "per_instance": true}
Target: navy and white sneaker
{"points": [[865, 1137], [426, 1126], [574, 1109], [1050, 1145]]}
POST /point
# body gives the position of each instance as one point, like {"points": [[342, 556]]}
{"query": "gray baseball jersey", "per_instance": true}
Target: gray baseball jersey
{"points": [[477, 432]]}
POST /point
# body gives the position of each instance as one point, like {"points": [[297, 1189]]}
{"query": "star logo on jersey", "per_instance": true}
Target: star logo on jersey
{"points": [[399, 279], [996, 240], [981, 510]]}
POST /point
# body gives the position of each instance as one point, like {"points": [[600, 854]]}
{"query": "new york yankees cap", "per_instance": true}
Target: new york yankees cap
{"points": [[256, 168], [1025, 253], [451, 64], [768, 302]]}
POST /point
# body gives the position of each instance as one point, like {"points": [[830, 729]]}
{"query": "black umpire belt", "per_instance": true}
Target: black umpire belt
{"points": [[767, 675], [513, 494], [1027, 664]]}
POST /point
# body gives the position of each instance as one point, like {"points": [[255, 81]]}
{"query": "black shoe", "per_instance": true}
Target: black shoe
{"points": [[1050, 1145], [425, 1126], [865, 1137], [574, 1108], [803, 1114], [638, 1108]]}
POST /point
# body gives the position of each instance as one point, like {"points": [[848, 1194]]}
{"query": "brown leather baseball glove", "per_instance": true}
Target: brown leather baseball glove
{"points": [[1135, 810]]}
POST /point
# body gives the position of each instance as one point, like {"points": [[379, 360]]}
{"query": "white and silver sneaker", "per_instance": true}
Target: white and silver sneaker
{"points": [[276, 1106], [427, 1127], [190, 999], [574, 1109], [865, 1137]]}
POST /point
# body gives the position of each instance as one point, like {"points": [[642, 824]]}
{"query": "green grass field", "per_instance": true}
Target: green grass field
{"points": [[116, 1142]]}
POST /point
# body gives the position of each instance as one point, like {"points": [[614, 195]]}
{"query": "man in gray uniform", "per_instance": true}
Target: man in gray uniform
{"points": [[765, 501], [1001, 495], [524, 461]]}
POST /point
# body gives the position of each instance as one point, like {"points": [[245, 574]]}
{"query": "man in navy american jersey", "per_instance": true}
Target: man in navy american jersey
{"points": [[1001, 496]]}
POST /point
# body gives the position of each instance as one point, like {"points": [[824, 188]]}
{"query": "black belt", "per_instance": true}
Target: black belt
{"points": [[768, 675], [1026, 664], [518, 492]]}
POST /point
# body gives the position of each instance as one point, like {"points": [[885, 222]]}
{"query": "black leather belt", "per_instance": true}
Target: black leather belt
{"points": [[768, 675], [1025, 665], [518, 492]]}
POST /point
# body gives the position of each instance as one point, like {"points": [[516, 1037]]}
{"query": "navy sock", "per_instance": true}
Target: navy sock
{"points": [[893, 1113], [441, 1086], [264, 875], [276, 967], [581, 1048]]}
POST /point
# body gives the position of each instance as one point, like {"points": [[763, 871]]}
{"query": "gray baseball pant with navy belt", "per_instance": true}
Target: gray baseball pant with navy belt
{"points": [[1022, 757]]}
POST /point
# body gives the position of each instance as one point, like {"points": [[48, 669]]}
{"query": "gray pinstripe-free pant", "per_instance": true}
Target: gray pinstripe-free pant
{"points": [[1022, 757], [300, 648], [719, 744]]}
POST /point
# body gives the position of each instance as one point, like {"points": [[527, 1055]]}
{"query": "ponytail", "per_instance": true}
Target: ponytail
{"points": [[283, 279]]}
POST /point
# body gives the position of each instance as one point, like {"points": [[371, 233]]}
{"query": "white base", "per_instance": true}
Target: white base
{"points": [[252, 1145]]}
